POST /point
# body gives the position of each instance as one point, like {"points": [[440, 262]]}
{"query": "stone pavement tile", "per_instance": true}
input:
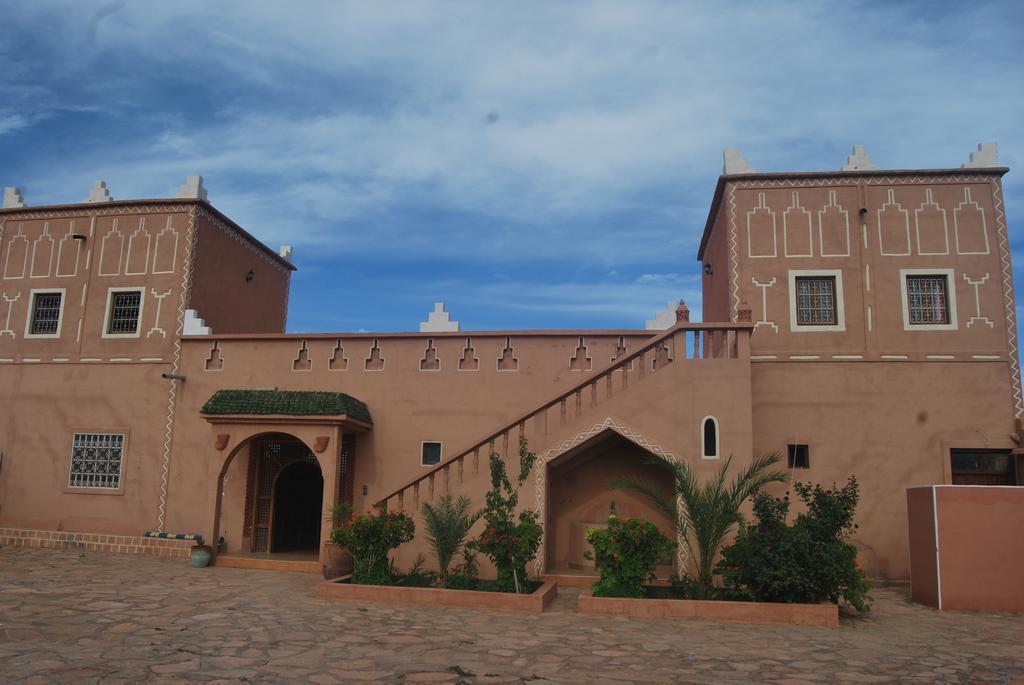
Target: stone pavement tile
{"points": [[159, 620]]}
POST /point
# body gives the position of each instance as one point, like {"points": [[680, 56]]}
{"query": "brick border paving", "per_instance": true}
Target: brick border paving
{"points": [[79, 616]]}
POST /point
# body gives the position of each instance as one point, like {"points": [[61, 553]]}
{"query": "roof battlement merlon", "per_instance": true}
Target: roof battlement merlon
{"points": [[843, 175], [99, 207]]}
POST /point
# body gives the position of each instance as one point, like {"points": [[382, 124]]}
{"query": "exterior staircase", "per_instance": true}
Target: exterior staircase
{"points": [[597, 393]]}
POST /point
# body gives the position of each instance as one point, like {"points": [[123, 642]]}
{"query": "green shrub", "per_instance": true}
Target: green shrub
{"points": [[509, 544], [466, 575], [628, 551], [704, 514], [416, 576], [368, 538], [447, 523], [810, 561]]}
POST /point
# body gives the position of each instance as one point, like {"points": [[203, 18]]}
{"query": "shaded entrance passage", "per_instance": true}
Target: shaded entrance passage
{"points": [[284, 499], [581, 495], [298, 507]]}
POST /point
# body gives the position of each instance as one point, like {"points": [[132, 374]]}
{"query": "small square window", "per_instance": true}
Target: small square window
{"points": [[46, 313], [799, 457], [816, 300], [928, 300], [125, 307], [431, 454]]}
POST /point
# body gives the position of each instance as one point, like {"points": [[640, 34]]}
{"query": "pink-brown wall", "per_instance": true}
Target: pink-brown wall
{"points": [[223, 295], [975, 562], [84, 380]]}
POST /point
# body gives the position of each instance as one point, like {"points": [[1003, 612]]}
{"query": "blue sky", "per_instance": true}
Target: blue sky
{"points": [[534, 165]]}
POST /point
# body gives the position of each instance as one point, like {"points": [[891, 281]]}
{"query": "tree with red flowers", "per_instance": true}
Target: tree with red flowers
{"points": [[508, 543]]}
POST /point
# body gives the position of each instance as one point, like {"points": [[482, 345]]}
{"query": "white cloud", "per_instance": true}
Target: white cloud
{"points": [[360, 128]]}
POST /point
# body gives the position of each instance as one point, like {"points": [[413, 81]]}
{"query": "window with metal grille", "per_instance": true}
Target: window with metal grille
{"points": [[124, 312], [431, 453], [96, 460], [982, 467], [45, 313], [928, 299], [799, 457], [816, 300]]}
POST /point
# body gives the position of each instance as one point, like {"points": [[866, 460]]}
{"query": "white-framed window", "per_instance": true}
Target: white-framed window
{"points": [[929, 299], [46, 312], [430, 453], [123, 318], [96, 460], [816, 300], [709, 438]]}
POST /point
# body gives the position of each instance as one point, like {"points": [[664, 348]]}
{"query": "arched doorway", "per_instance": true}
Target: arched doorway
{"points": [[581, 494], [298, 508]]}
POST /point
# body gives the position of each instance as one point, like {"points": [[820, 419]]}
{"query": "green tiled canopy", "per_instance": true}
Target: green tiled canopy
{"points": [[286, 402]]}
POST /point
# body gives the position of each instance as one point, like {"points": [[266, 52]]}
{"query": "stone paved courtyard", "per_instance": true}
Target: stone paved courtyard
{"points": [[67, 616]]}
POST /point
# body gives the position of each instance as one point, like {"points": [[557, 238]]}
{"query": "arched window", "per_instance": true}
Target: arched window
{"points": [[709, 437]]}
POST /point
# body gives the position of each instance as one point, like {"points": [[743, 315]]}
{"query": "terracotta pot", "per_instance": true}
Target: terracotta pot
{"points": [[337, 561], [201, 555]]}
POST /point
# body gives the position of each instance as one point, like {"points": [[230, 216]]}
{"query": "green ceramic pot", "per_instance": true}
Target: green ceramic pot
{"points": [[201, 555]]}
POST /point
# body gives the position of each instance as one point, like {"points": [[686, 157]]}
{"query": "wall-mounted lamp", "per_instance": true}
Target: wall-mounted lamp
{"points": [[863, 211], [708, 269], [172, 376], [77, 236], [249, 276]]}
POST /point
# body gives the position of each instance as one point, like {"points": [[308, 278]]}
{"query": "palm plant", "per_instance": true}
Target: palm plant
{"points": [[704, 514], [447, 524]]}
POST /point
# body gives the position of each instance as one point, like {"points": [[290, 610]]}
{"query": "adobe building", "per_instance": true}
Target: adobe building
{"points": [[857, 322]]}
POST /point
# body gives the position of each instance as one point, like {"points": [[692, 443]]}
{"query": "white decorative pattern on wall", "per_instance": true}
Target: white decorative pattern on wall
{"points": [[16, 260], [796, 229], [969, 226], [159, 297], [762, 239], [69, 251], [932, 240], [7, 330], [111, 252], [138, 250], [165, 255], [172, 391], [764, 320], [977, 283], [42, 254], [893, 228], [834, 228]]}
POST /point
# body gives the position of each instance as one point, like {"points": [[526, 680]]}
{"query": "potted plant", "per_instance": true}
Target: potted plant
{"points": [[201, 555], [337, 561]]}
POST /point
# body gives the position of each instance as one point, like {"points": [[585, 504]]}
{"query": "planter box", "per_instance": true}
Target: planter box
{"points": [[472, 599], [744, 612]]}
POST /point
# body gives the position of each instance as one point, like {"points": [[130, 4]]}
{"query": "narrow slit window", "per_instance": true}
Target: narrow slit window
{"points": [[816, 300], [799, 457], [928, 300], [431, 454], [124, 312], [46, 314], [709, 438]]}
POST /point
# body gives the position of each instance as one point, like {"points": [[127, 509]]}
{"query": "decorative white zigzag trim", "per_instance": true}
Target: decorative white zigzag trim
{"points": [[1011, 314], [186, 291]]}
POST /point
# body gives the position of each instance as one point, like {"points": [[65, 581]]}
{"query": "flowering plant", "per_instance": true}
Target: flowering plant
{"points": [[627, 552], [508, 543], [369, 537]]}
